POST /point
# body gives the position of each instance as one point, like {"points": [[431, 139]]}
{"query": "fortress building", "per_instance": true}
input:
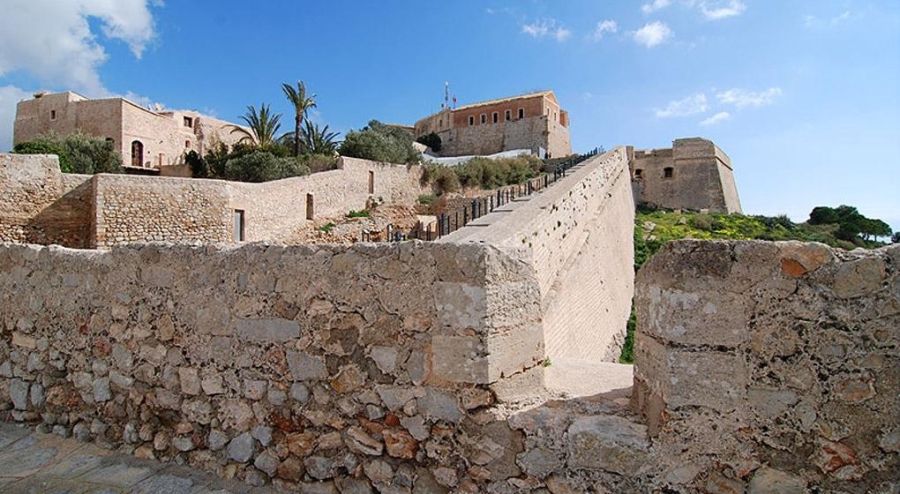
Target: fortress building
{"points": [[532, 121], [693, 174], [147, 139]]}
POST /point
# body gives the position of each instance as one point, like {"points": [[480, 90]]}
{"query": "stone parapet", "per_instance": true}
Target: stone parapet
{"points": [[772, 365]]}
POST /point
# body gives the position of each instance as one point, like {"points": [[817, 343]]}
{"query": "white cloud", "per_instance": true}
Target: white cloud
{"points": [[649, 8], [716, 119], [53, 42], [690, 105], [652, 34], [813, 22], [720, 9], [547, 27], [741, 98], [603, 27], [9, 96]]}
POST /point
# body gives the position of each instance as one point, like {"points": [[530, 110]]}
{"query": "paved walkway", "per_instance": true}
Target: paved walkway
{"points": [[35, 463]]}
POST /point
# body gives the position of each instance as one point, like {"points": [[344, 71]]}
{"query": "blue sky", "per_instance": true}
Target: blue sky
{"points": [[804, 96]]}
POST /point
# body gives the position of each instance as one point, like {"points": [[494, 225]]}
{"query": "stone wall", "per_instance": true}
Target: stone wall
{"points": [[369, 364], [772, 366], [131, 208], [38, 204], [701, 177], [42, 205], [578, 237]]}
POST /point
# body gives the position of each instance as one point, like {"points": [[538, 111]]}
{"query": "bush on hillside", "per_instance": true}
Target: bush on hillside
{"points": [[442, 179], [77, 153], [380, 142], [262, 166], [489, 173]]}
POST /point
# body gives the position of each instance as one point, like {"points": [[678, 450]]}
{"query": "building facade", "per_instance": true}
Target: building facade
{"points": [[532, 121], [147, 139], [693, 174]]}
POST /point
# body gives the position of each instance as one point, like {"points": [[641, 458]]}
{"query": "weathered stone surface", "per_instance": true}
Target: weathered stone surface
{"points": [[400, 444], [439, 405], [190, 380], [267, 330], [18, 393], [608, 443], [769, 480], [304, 366], [267, 462], [240, 449], [360, 442]]}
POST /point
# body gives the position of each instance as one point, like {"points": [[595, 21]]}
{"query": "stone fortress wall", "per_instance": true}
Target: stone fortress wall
{"points": [[164, 136], [771, 366], [424, 367], [42, 205], [578, 237], [693, 174]]}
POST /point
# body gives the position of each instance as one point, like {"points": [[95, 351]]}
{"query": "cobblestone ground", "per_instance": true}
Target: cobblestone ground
{"points": [[35, 463]]}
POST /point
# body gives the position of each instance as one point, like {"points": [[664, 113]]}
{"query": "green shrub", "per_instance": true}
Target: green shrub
{"points": [[77, 153], [327, 227], [358, 214], [427, 199], [702, 222], [489, 173], [442, 179], [380, 142], [262, 166], [320, 162], [431, 140]]}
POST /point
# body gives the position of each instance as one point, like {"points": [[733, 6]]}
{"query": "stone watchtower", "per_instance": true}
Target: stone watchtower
{"points": [[693, 174]]}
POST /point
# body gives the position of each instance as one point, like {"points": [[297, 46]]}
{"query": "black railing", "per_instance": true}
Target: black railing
{"points": [[449, 222]]}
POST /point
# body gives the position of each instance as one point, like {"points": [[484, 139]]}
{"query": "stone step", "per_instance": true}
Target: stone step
{"points": [[576, 379]]}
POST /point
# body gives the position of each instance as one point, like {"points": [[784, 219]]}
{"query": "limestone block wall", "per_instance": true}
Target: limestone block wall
{"points": [[772, 366], [131, 208], [274, 210], [41, 205], [578, 237], [352, 366]]}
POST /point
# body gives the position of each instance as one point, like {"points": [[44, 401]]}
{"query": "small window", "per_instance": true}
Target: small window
{"points": [[52, 114], [508, 115], [188, 122], [441, 123], [496, 117], [237, 232], [483, 118], [638, 173], [668, 172], [471, 120], [521, 113], [371, 182], [187, 144]]}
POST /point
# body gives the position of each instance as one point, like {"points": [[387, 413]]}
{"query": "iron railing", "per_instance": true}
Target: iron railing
{"points": [[449, 222]]}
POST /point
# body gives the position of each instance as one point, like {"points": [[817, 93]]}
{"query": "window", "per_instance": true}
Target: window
{"points": [[471, 120], [508, 115], [496, 117], [371, 182], [521, 113], [188, 122], [668, 172], [483, 118], [638, 173], [237, 232], [137, 153], [187, 144], [52, 114], [441, 123], [309, 207]]}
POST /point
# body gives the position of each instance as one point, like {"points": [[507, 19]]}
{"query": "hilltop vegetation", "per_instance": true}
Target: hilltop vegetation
{"points": [[842, 227]]}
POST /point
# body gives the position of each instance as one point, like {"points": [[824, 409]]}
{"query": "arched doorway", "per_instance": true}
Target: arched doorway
{"points": [[137, 153]]}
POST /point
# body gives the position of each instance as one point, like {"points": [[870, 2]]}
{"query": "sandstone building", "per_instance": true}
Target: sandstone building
{"points": [[693, 174], [532, 121], [147, 139]]}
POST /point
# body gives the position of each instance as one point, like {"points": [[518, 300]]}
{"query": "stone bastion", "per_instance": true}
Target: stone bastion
{"points": [[473, 364]]}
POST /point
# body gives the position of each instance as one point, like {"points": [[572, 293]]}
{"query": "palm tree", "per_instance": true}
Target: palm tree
{"points": [[302, 103], [319, 140], [263, 126]]}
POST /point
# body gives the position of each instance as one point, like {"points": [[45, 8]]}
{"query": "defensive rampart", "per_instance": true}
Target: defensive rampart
{"points": [[41, 205], [771, 366]]}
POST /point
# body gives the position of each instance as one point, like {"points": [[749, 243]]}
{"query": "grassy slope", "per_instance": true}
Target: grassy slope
{"points": [[652, 229]]}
